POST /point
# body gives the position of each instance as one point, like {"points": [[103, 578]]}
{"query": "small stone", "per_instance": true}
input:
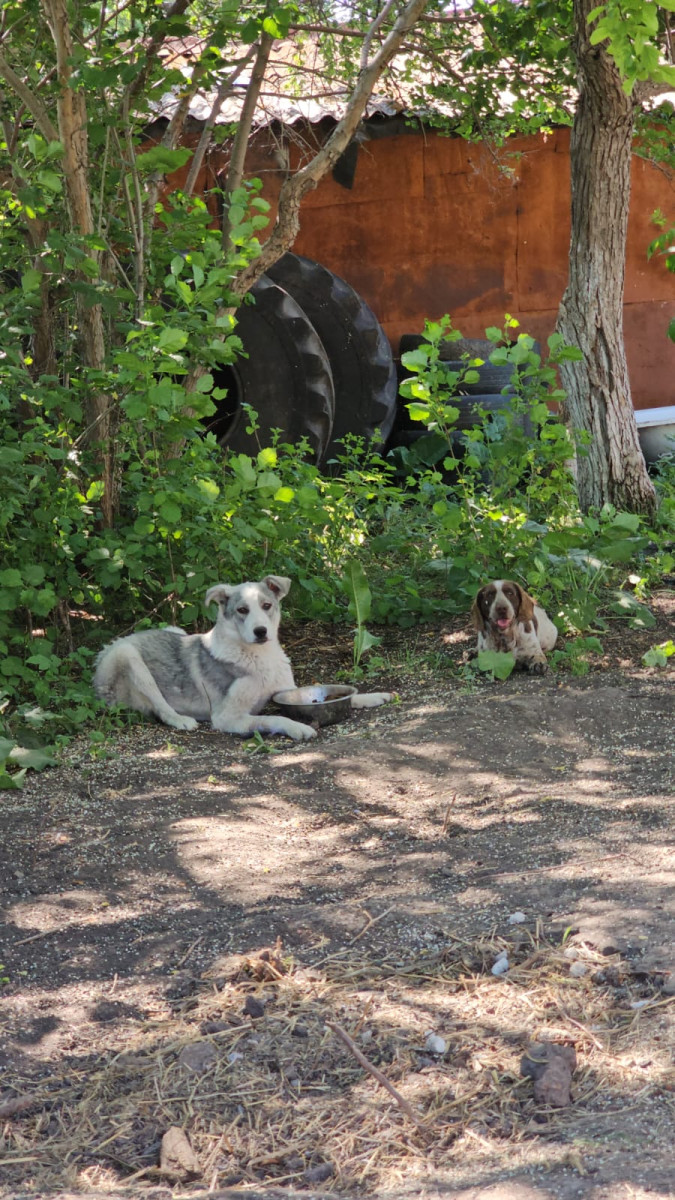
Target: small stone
{"points": [[198, 1057], [668, 985], [517, 918], [181, 987], [578, 969], [176, 1156], [318, 1173], [214, 1026], [435, 1044], [501, 964], [550, 1065], [254, 1007]]}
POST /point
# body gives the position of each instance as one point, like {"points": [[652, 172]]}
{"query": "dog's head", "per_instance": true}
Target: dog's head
{"points": [[252, 610], [500, 604]]}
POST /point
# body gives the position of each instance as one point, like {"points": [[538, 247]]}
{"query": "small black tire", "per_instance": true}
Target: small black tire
{"points": [[286, 377], [474, 347], [490, 380], [362, 364], [470, 408]]}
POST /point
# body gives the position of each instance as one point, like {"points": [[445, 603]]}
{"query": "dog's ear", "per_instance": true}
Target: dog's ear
{"points": [[279, 585], [526, 605], [477, 618], [219, 592]]}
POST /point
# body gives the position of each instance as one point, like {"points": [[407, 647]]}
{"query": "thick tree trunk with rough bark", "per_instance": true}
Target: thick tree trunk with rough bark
{"points": [[591, 312]]}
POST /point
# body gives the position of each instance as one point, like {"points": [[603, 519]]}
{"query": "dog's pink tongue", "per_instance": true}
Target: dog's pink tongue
{"points": [[503, 622]]}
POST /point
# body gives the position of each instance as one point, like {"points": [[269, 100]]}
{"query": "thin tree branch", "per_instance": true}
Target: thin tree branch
{"points": [[293, 190], [32, 102], [235, 170], [205, 138], [177, 9], [377, 24]]}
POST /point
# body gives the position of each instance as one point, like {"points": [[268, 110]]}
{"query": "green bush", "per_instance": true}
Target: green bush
{"points": [[422, 540]]}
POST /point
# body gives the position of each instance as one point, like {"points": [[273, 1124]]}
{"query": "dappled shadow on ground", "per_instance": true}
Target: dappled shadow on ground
{"points": [[388, 856]]}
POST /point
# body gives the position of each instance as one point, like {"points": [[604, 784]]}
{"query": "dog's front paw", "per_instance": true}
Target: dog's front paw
{"points": [[186, 723], [299, 732], [537, 666], [371, 699]]}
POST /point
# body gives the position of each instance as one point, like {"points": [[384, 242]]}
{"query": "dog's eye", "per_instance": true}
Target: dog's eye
{"points": [[243, 610], [266, 607]]}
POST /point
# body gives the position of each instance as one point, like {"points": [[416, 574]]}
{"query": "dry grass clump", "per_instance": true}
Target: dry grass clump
{"points": [[288, 1074]]}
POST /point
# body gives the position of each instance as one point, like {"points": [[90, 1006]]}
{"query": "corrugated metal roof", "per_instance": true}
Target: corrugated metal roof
{"points": [[298, 65], [279, 96]]}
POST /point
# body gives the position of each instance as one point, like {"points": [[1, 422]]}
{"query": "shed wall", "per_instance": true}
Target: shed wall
{"points": [[436, 225]]}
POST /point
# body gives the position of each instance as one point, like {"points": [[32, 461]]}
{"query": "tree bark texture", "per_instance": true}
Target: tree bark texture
{"points": [[591, 312], [72, 119]]}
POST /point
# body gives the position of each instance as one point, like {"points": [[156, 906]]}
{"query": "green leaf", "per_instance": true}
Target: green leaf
{"points": [[284, 495], [624, 520], [6, 747], [363, 641], [496, 663], [356, 586], [204, 383], [170, 512], [416, 360], [162, 160], [418, 412], [620, 551], [9, 782], [209, 489], [30, 280], [172, 339], [236, 214], [267, 458], [35, 758], [10, 577], [658, 655]]}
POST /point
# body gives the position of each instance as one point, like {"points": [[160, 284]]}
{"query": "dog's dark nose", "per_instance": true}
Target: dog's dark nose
{"points": [[260, 633]]}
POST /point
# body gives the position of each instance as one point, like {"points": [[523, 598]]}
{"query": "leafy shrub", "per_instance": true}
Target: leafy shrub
{"points": [[418, 542]]}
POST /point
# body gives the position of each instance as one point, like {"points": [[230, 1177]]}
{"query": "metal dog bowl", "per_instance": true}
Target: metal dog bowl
{"points": [[324, 703]]}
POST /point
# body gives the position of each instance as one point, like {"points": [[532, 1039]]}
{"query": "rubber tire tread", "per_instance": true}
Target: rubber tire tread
{"points": [[491, 379], [286, 377], [474, 347], [364, 372]]}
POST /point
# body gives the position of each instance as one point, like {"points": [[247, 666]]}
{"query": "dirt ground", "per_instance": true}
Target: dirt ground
{"points": [[191, 923]]}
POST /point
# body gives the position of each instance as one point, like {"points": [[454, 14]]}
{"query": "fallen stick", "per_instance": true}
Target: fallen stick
{"points": [[371, 921], [35, 936], [376, 1073]]}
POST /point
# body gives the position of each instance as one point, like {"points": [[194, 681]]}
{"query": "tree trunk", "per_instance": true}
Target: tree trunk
{"points": [[591, 312], [72, 118]]}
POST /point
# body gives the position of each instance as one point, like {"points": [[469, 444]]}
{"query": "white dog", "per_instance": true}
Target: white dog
{"points": [[225, 676], [507, 619]]}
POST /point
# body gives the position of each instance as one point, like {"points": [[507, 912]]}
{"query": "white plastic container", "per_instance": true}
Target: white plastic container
{"points": [[656, 429]]}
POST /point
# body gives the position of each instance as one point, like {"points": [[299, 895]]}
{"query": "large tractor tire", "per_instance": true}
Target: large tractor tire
{"points": [[364, 373], [286, 377]]}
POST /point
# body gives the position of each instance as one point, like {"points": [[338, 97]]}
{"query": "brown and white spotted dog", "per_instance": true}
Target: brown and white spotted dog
{"points": [[508, 619]]}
